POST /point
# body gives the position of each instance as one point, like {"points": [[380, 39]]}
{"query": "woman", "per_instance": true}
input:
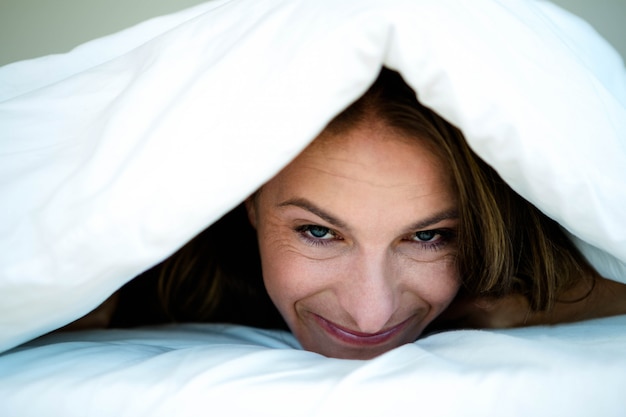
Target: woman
{"points": [[387, 226]]}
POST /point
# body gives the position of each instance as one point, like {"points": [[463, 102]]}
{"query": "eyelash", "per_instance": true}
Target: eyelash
{"points": [[305, 233], [445, 237]]}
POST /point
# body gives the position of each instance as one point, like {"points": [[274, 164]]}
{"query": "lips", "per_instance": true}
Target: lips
{"points": [[355, 338]]}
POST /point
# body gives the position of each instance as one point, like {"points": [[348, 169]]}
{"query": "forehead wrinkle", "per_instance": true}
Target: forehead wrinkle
{"points": [[356, 178]]}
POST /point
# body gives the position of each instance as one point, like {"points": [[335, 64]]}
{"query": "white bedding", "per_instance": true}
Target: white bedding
{"points": [[197, 370], [116, 154]]}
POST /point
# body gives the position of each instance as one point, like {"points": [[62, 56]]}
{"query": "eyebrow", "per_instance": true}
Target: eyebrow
{"points": [[451, 214], [307, 205]]}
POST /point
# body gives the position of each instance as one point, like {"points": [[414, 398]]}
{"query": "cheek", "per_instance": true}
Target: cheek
{"points": [[437, 283], [432, 284], [287, 274]]}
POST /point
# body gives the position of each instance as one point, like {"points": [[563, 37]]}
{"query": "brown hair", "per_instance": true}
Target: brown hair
{"points": [[215, 277], [505, 244]]}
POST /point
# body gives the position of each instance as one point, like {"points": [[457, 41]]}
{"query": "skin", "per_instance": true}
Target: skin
{"points": [[357, 241]]}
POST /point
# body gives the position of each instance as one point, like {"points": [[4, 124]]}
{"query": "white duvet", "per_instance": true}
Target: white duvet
{"points": [[114, 155]]}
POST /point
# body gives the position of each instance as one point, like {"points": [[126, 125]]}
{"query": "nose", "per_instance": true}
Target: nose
{"points": [[368, 292]]}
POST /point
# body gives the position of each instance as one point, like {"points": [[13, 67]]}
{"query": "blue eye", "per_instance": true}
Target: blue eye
{"points": [[427, 235], [433, 239], [317, 235], [318, 231]]}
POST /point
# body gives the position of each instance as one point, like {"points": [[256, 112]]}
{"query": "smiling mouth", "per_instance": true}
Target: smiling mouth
{"points": [[357, 338]]}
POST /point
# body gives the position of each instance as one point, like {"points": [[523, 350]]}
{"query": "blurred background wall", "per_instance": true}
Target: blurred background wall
{"points": [[31, 28]]}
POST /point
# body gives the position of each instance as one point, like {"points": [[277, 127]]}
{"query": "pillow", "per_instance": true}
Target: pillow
{"points": [[135, 143], [187, 370]]}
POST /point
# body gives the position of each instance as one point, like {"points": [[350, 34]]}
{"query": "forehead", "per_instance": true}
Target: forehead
{"points": [[367, 162]]}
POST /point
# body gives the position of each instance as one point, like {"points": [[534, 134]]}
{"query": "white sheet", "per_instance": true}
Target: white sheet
{"points": [[114, 155], [199, 370]]}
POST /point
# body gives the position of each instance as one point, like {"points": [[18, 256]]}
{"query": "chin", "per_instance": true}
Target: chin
{"points": [[360, 354], [331, 350]]}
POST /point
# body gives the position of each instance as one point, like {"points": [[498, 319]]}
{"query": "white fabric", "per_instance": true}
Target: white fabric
{"points": [[114, 155], [575, 370]]}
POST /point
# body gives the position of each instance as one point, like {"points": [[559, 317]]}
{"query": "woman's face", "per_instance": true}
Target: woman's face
{"points": [[358, 239]]}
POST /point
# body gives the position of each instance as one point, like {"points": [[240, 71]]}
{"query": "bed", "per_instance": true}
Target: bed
{"points": [[117, 153]]}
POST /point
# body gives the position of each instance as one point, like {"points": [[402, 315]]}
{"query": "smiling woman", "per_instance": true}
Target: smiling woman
{"points": [[358, 240], [385, 227]]}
